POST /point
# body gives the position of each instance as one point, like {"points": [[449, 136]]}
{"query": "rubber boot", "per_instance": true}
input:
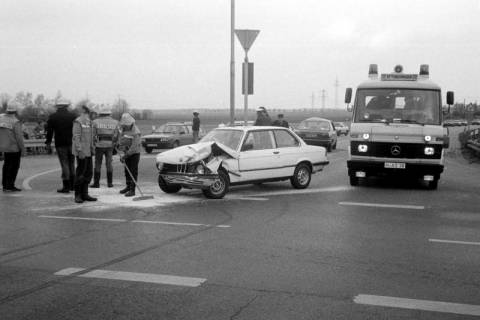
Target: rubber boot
{"points": [[96, 180], [78, 195], [85, 195], [126, 189], [66, 187], [131, 191], [110, 179]]}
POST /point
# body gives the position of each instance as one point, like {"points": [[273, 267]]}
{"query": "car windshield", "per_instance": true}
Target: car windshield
{"points": [[167, 129], [314, 125], [230, 138], [398, 105]]}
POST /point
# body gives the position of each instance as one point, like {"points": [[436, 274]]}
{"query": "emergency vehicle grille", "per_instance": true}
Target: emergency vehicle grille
{"points": [[396, 150]]}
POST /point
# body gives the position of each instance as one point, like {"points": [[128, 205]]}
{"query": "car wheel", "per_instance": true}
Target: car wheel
{"points": [[175, 144], [432, 185], [329, 147], [148, 150], [353, 181], [219, 188], [168, 187], [301, 177]]}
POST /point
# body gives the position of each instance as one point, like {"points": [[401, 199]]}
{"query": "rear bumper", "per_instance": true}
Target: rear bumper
{"points": [[157, 145], [190, 180], [318, 141], [377, 168]]}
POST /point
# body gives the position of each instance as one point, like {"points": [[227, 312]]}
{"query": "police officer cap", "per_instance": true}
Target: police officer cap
{"points": [[62, 102], [195, 112], [127, 119], [260, 109], [105, 110], [12, 106]]}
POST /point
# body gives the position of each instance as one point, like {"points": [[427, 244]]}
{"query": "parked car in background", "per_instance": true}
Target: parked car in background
{"points": [[169, 135], [449, 123], [475, 122], [341, 128], [319, 132], [230, 156]]}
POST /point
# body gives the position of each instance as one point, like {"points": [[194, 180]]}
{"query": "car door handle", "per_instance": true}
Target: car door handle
{"points": [[276, 152]]}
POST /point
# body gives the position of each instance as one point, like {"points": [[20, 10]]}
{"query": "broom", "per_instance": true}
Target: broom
{"points": [[142, 195]]}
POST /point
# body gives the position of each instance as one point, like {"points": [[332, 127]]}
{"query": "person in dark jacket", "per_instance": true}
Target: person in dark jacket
{"points": [[59, 126], [195, 126], [280, 122], [129, 143], [263, 119]]}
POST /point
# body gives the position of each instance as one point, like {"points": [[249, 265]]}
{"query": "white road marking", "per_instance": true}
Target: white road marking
{"points": [[455, 242], [135, 276], [247, 198], [82, 218], [136, 221], [381, 205], [26, 182], [70, 207], [426, 305], [181, 223]]}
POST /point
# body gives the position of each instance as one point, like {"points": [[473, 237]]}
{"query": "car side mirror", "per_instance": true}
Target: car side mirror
{"points": [[450, 98], [247, 146], [348, 95]]}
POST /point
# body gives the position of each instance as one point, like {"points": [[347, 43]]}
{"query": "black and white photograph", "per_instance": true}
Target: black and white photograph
{"points": [[239, 159]]}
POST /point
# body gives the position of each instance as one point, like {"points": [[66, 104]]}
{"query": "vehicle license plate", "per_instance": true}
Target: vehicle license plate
{"points": [[395, 165], [151, 145]]}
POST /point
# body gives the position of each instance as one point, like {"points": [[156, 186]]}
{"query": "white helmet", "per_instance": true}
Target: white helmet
{"points": [[62, 102]]}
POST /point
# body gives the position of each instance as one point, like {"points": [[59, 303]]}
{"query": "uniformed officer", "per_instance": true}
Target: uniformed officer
{"points": [[83, 148], [11, 144], [195, 126], [105, 128], [130, 145]]}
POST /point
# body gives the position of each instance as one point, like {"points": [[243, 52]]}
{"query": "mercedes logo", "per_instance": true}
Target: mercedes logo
{"points": [[395, 150]]}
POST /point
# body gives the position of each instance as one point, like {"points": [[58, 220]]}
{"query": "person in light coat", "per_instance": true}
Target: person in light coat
{"points": [[130, 145]]}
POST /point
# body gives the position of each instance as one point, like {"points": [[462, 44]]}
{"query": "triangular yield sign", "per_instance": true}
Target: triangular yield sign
{"points": [[246, 37]]}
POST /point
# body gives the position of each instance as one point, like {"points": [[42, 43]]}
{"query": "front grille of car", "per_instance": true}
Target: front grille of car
{"points": [[396, 150]]}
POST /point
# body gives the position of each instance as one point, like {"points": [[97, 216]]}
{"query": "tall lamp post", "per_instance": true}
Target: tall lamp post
{"points": [[246, 38], [232, 62]]}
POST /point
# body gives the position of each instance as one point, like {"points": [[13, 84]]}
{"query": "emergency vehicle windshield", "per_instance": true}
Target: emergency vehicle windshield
{"points": [[398, 105]]}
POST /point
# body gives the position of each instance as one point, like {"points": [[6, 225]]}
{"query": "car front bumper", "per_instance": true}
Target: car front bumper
{"points": [[377, 168], [190, 180]]}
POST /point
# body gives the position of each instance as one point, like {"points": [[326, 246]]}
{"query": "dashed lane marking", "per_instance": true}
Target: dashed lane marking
{"points": [[414, 304], [455, 242], [188, 224], [382, 205], [135, 276]]}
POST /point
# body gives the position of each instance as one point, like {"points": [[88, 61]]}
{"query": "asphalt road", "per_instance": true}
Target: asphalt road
{"points": [[384, 250]]}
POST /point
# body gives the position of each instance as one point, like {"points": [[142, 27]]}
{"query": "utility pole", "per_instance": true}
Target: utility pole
{"points": [[323, 98], [232, 62], [336, 85]]}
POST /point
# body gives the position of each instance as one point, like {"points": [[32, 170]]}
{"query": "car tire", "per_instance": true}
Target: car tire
{"points": [[354, 181], [329, 147], [219, 188], [301, 176], [334, 147], [175, 144], [148, 150], [433, 185], [168, 187]]}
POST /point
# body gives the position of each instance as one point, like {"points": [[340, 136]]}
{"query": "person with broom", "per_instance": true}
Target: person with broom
{"points": [[129, 143]]}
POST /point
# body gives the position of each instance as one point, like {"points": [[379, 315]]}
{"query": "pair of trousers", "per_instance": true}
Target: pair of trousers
{"points": [[67, 162], [131, 162], [195, 136], [11, 165], [84, 172], [99, 153]]}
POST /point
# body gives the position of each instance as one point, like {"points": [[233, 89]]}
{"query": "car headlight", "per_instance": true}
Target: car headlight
{"points": [[366, 136], [200, 169], [159, 166], [428, 138], [429, 151], [362, 148]]}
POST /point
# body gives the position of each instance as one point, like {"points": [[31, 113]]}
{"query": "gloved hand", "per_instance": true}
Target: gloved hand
{"points": [[81, 155]]}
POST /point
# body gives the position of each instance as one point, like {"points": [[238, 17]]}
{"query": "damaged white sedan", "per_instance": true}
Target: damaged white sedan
{"points": [[240, 155]]}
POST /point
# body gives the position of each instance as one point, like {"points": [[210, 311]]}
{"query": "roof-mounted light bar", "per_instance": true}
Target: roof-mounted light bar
{"points": [[424, 71], [373, 72]]}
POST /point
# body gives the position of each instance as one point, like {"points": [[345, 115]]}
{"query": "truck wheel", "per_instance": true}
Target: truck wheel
{"points": [[301, 177], [353, 181], [148, 150], [432, 185], [219, 188], [168, 187]]}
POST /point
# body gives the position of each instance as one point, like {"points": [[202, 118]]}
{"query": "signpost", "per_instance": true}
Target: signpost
{"points": [[246, 38]]}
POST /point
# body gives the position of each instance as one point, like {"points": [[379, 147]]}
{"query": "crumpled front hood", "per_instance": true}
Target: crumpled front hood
{"points": [[194, 152]]}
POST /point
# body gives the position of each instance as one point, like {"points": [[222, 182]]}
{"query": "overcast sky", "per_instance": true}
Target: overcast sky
{"points": [[176, 53]]}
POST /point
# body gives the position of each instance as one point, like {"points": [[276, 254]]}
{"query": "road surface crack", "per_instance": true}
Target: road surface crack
{"points": [[237, 313]]}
